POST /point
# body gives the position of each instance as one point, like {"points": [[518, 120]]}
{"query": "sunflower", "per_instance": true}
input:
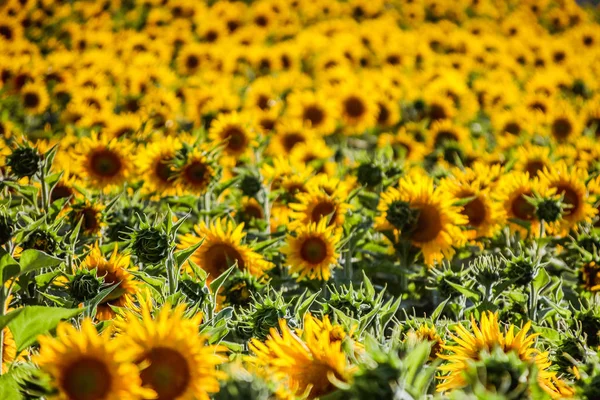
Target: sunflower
{"points": [[236, 131], [513, 190], [312, 251], [314, 205], [446, 131], [303, 364], [222, 247], [358, 110], [123, 125], [174, 359], [315, 110], [289, 134], [34, 98], [196, 174], [485, 216], [404, 146], [424, 215], [590, 276], [487, 337], [155, 164], [428, 333], [85, 365], [102, 162], [532, 159], [564, 125], [90, 214], [570, 183], [115, 272]]}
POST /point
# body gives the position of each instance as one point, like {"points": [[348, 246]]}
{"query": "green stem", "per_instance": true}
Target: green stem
{"points": [[44, 191], [3, 296]]}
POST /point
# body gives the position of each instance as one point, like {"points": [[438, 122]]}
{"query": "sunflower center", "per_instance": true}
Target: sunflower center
{"points": [[168, 373], [263, 102], [437, 112], [513, 128], [196, 172], [236, 139], [162, 169], [428, 226], [253, 211], [222, 256], [292, 139], [561, 128], [105, 163], [570, 198], [314, 250], [384, 114], [90, 219], [475, 212], [192, 61], [354, 107], [522, 209], [323, 209], [534, 166], [60, 192], [86, 379], [31, 100], [314, 115]]}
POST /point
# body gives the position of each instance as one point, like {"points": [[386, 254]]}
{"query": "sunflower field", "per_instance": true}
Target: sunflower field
{"points": [[299, 199]]}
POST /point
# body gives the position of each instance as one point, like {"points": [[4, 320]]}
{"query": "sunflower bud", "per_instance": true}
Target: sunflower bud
{"points": [[250, 185], [375, 383], [150, 245], [369, 175], [195, 291], [549, 210], [237, 290], [401, 215], [242, 385], [501, 373], [7, 228], [85, 286], [25, 161], [590, 326], [42, 240], [521, 270], [263, 314]]}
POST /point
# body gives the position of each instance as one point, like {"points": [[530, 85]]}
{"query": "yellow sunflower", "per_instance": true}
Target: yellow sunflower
{"points": [[358, 110], [34, 98], [404, 146], [312, 251], [103, 163], [154, 163], [303, 364], [85, 365], [590, 276], [315, 110], [174, 359], [196, 174], [115, 271], [288, 134], [486, 337], [236, 131], [485, 215], [446, 131], [222, 247], [90, 214], [571, 184], [314, 205], [532, 159], [424, 215]]}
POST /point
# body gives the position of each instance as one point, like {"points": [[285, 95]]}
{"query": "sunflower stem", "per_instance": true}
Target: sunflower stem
{"points": [[44, 191], [3, 296]]}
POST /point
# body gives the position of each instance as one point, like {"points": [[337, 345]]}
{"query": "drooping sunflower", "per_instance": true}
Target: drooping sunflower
{"points": [[424, 215], [174, 359], [85, 365], [103, 163], [571, 184], [155, 164], [115, 271], [236, 131], [312, 251], [487, 336], [222, 247], [305, 363]]}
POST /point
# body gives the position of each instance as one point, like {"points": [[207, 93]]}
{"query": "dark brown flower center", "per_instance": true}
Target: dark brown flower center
{"points": [[168, 373], [522, 209], [86, 379], [220, 257], [475, 211], [314, 114], [561, 129], [31, 100], [428, 226], [534, 166], [314, 250], [236, 139], [290, 140], [324, 209], [354, 107], [570, 198], [105, 163]]}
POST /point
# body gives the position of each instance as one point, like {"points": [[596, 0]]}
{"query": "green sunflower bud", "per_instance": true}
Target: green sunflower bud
{"points": [[7, 228], [195, 291], [521, 270], [85, 286], [242, 385], [549, 210], [401, 215], [25, 162], [238, 289], [150, 245], [590, 326], [369, 175], [250, 185], [42, 240], [500, 373], [375, 383]]}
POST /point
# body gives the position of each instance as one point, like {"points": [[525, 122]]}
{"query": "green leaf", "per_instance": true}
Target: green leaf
{"points": [[303, 308], [368, 285], [541, 280], [9, 388], [32, 260], [468, 293], [182, 256], [8, 266], [5, 319], [438, 310], [92, 304], [216, 284], [33, 321]]}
